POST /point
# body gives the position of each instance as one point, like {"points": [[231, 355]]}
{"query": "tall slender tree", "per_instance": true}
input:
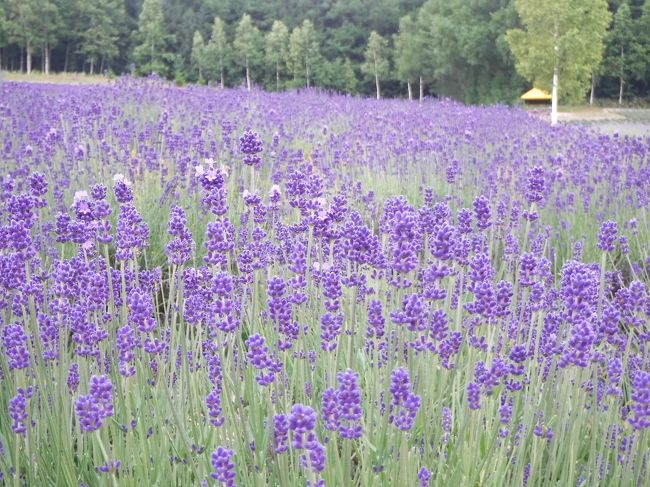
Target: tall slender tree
{"points": [[277, 49], [247, 45], [216, 50], [296, 49], [562, 42], [198, 54], [376, 59], [99, 36], [407, 63], [624, 56], [311, 48], [24, 27], [152, 53], [304, 52], [50, 30]]}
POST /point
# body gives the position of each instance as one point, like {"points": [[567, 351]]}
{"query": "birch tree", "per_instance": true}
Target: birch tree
{"points": [[561, 44], [216, 49], [277, 49], [376, 60], [247, 46]]}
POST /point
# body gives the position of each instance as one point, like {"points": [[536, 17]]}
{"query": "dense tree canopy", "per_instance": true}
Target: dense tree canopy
{"points": [[447, 48]]}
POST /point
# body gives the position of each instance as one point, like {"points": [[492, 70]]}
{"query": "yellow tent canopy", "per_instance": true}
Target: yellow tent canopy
{"points": [[536, 95]]}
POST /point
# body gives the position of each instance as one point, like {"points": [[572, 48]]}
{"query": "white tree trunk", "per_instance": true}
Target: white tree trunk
{"points": [[620, 78], [410, 88], [248, 77], [377, 85], [46, 52], [421, 90], [620, 91], [29, 57], [554, 98], [67, 58], [593, 89]]}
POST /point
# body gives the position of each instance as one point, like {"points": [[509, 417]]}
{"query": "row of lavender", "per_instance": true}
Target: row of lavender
{"points": [[294, 320]]}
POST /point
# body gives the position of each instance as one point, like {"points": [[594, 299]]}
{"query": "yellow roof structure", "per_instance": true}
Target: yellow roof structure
{"points": [[536, 95]]}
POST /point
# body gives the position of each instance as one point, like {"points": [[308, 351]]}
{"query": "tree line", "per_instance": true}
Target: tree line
{"points": [[477, 51]]}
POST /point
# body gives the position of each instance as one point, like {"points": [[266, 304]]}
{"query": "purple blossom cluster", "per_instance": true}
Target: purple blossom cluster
{"points": [[93, 408]]}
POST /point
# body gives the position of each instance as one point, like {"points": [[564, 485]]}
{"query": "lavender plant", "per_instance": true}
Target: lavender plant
{"points": [[224, 287]]}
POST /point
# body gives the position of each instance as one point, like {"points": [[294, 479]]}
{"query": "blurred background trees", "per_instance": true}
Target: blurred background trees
{"points": [[447, 48]]}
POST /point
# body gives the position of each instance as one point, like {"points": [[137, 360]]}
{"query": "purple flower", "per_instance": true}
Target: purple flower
{"points": [[140, 306], [535, 184], [331, 325], [18, 410], [73, 377], [424, 476], [213, 403], [607, 236], [640, 400], [376, 320], [250, 145], [302, 420], [224, 467], [543, 431], [330, 409], [280, 433], [122, 189], [473, 395], [349, 404], [93, 408], [404, 404], [101, 391], [88, 412], [38, 184], [126, 343], [482, 212], [132, 232], [14, 341], [179, 249], [259, 358]]}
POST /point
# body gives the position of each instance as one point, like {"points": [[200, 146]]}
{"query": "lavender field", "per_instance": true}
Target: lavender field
{"points": [[217, 287]]}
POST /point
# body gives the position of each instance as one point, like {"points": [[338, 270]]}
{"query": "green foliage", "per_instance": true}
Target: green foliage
{"points": [[625, 56], [99, 35], [338, 75], [277, 49], [198, 54], [24, 24], [304, 53], [152, 54], [247, 44], [376, 58], [461, 50], [407, 59], [216, 51], [563, 35], [459, 47]]}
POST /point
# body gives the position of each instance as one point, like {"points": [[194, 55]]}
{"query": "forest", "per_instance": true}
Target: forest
{"points": [[394, 48]]}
